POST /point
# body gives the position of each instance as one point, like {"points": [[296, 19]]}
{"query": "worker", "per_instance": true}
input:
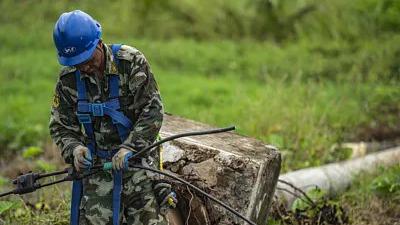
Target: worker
{"points": [[106, 107]]}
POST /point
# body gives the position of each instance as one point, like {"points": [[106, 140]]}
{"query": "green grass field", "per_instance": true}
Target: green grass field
{"points": [[303, 117]]}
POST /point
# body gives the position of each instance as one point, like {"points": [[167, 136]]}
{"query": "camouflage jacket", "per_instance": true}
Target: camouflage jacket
{"points": [[139, 98]]}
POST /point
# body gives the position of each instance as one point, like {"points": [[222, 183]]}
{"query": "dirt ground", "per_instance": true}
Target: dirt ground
{"points": [[375, 211]]}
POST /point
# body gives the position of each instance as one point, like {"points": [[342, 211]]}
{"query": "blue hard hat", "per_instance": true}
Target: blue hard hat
{"points": [[75, 35]]}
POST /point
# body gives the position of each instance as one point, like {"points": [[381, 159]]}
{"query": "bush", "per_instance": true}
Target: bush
{"points": [[387, 184]]}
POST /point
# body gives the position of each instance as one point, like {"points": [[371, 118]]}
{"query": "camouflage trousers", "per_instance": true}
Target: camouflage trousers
{"points": [[139, 205]]}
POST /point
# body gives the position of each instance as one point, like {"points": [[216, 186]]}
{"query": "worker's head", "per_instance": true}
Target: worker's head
{"points": [[94, 63], [77, 39]]}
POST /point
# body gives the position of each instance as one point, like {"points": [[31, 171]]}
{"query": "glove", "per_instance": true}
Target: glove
{"points": [[165, 196], [121, 159], [82, 158]]}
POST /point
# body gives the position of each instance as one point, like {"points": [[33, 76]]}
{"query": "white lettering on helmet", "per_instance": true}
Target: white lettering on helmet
{"points": [[69, 50]]}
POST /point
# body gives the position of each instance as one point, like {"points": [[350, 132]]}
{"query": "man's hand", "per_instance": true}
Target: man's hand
{"points": [[165, 196], [121, 158], [82, 158]]}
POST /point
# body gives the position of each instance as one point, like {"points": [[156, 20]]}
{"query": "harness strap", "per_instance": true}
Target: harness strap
{"points": [[77, 186], [117, 186], [85, 120], [77, 189], [124, 126], [117, 191]]}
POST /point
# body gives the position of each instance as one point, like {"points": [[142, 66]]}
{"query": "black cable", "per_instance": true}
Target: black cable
{"points": [[54, 182], [155, 171], [170, 138], [140, 153], [173, 137], [53, 173], [131, 165], [98, 168], [290, 192], [92, 172], [6, 193], [227, 207], [299, 190]]}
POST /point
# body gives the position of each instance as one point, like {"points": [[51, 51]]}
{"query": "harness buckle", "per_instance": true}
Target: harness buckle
{"points": [[97, 109], [84, 118], [83, 106]]}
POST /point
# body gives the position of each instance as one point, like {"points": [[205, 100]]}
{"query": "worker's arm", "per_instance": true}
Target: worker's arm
{"points": [[148, 101], [64, 125]]}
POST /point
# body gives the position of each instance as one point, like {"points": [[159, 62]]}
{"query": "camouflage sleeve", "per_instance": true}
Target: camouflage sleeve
{"points": [[148, 100], [64, 126]]}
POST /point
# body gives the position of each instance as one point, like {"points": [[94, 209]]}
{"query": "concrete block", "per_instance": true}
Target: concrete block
{"points": [[238, 170]]}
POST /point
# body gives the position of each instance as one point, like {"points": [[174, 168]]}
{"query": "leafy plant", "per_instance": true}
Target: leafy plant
{"points": [[387, 184], [323, 211], [6, 205], [32, 152], [315, 194]]}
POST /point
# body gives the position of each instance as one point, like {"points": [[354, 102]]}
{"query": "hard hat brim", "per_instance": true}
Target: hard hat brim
{"points": [[75, 60]]}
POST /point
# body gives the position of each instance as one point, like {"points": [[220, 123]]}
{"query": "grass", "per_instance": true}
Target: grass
{"points": [[46, 206], [374, 198], [303, 117]]}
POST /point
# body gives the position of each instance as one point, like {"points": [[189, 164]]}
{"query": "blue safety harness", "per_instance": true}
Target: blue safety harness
{"points": [[85, 112]]}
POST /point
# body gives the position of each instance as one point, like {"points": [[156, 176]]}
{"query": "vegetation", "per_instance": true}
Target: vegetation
{"points": [[50, 206], [372, 199], [302, 75]]}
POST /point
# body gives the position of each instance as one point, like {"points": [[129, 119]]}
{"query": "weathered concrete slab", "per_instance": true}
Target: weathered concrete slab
{"points": [[238, 170], [334, 178]]}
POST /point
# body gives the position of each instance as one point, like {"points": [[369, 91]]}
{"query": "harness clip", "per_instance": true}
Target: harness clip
{"points": [[97, 109]]}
